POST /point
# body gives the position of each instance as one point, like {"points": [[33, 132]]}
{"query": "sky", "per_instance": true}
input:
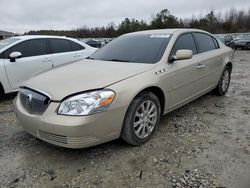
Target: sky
{"points": [[24, 15]]}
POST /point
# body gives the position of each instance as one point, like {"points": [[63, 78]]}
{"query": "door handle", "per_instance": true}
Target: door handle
{"points": [[220, 59], [200, 66], [46, 60]]}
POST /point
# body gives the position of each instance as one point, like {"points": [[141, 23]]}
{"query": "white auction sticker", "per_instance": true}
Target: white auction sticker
{"points": [[160, 36]]}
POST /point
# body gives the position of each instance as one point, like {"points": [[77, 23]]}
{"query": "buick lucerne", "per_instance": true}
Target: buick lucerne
{"points": [[123, 89]]}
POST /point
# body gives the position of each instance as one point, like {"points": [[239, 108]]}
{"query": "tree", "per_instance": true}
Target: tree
{"points": [[165, 20], [232, 21]]}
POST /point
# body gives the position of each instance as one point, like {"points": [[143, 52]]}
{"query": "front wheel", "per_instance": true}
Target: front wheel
{"points": [[224, 82], [142, 119], [1, 89]]}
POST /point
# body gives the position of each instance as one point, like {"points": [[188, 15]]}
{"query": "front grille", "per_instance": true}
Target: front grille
{"points": [[33, 101], [53, 137], [61, 139]]}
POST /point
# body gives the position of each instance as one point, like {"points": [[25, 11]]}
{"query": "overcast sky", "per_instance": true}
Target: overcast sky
{"points": [[24, 15]]}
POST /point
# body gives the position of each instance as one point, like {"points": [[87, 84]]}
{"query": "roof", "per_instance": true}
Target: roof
{"points": [[5, 33], [167, 31], [25, 37]]}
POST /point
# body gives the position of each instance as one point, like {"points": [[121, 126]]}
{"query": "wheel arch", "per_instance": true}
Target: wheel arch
{"points": [[230, 65], [159, 94]]}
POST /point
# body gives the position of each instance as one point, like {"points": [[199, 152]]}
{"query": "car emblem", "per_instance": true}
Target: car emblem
{"points": [[28, 101]]}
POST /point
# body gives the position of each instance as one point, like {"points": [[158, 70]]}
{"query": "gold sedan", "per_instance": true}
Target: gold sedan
{"points": [[124, 88]]}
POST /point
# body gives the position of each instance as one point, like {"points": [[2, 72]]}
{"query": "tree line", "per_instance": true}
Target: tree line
{"points": [[229, 22]]}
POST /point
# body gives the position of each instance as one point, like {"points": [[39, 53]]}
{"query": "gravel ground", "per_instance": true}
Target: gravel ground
{"points": [[203, 144]]}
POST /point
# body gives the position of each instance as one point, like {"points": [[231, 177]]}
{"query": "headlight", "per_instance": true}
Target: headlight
{"points": [[87, 103]]}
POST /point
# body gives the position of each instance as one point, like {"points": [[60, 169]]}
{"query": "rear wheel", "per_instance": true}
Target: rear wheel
{"points": [[142, 119], [224, 82]]}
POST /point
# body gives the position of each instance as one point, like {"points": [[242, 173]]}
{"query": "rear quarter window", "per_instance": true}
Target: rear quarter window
{"points": [[76, 47]]}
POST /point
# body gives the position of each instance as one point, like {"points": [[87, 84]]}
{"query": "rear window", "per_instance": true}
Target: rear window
{"points": [[205, 42], [139, 48], [60, 45]]}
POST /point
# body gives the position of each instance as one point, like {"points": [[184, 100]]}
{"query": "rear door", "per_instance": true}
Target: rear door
{"points": [[212, 59], [35, 58], [80, 51], [65, 51]]}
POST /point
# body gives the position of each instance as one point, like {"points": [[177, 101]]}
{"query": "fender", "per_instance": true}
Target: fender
{"points": [[4, 82]]}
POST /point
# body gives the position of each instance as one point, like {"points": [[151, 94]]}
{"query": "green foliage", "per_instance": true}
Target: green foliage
{"points": [[232, 21], [164, 20]]}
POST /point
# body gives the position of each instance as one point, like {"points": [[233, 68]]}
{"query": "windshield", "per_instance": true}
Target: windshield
{"points": [[138, 48], [246, 37], [6, 42]]}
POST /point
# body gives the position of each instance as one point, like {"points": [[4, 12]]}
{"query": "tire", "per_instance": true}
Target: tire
{"points": [[132, 131], [224, 82], [1, 89]]}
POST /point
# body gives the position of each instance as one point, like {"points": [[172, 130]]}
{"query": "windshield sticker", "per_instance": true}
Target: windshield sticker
{"points": [[160, 36]]}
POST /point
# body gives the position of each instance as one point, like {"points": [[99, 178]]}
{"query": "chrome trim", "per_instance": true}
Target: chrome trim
{"points": [[161, 71]]}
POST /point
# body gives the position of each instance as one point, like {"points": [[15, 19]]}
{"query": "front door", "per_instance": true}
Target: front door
{"points": [[34, 59], [185, 77]]}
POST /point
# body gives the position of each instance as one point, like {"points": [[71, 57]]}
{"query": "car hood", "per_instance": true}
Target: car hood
{"points": [[84, 75]]}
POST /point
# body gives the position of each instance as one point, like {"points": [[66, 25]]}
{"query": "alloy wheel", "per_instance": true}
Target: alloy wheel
{"points": [[225, 80], [145, 119]]}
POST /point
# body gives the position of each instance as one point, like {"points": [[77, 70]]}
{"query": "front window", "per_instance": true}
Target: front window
{"points": [[184, 42], [6, 42], [134, 48], [28, 48]]}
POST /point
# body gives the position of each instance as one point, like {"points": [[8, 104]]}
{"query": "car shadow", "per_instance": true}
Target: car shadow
{"points": [[9, 96]]}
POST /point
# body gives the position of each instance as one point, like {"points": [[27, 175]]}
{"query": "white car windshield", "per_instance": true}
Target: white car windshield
{"points": [[6, 42]]}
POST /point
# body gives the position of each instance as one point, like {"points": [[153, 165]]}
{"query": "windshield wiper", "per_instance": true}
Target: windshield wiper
{"points": [[119, 60]]}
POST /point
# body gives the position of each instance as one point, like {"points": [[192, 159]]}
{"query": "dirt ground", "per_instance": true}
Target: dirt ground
{"points": [[203, 144]]}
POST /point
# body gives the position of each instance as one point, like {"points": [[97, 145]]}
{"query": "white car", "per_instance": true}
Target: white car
{"points": [[25, 56]]}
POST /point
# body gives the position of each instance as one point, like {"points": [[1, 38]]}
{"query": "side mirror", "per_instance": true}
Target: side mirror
{"points": [[181, 55], [14, 55]]}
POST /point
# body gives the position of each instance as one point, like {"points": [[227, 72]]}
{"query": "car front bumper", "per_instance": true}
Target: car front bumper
{"points": [[71, 131]]}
